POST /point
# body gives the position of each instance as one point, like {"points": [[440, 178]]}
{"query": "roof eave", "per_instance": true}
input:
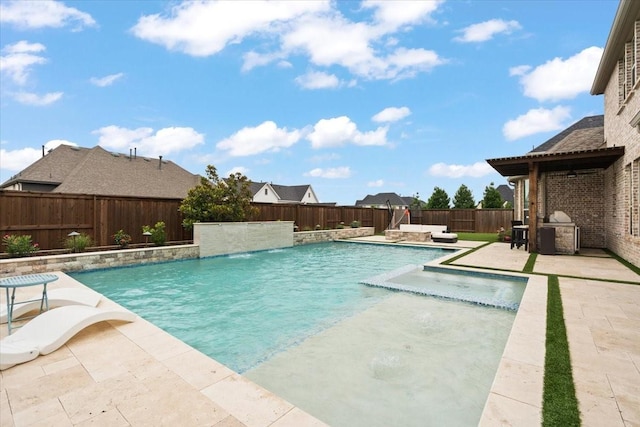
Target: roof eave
{"points": [[550, 162], [625, 17]]}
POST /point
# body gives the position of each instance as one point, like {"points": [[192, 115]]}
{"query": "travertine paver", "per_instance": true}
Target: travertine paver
{"points": [[603, 329], [605, 268], [498, 256]]}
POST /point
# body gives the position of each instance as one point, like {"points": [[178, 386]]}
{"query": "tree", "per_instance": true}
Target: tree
{"points": [[492, 198], [463, 199], [438, 200], [218, 200]]}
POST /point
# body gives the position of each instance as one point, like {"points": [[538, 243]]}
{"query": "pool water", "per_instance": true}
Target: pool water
{"points": [[298, 322], [256, 304]]}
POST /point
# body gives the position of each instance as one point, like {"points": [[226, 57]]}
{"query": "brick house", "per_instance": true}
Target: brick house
{"points": [[591, 170]]}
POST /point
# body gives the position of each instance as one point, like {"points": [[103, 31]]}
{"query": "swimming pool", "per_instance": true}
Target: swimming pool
{"points": [[274, 315]]}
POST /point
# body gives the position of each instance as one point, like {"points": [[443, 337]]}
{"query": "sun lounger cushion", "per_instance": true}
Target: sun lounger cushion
{"points": [[57, 298], [51, 330]]}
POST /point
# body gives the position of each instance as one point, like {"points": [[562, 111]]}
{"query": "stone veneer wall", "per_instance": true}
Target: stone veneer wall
{"points": [[621, 203], [94, 260], [306, 237], [582, 199], [270, 235], [220, 238]]}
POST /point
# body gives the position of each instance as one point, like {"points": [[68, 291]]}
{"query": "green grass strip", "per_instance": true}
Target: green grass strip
{"points": [[623, 261], [559, 402], [528, 267], [465, 253], [478, 237]]}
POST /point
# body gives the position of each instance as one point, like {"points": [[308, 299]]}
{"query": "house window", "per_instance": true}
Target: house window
{"points": [[635, 199], [622, 83], [266, 192], [628, 172]]}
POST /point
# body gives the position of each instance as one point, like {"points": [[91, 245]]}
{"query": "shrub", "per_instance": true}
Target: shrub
{"points": [[78, 243], [19, 246], [158, 235], [340, 226], [355, 224], [121, 238]]}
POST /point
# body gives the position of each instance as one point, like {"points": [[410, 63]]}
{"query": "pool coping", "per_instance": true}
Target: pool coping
{"points": [[515, 396]]}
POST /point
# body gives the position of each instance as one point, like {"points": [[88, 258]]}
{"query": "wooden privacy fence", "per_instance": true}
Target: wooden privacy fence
{"points": [[465, 220], [50, 217]]}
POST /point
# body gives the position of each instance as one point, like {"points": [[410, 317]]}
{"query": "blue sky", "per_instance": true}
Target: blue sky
{"points": [[354, 98]]}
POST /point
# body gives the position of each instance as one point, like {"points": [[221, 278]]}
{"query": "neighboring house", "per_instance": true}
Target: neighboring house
{"points": [[591, 170], [506, 193], [382, 200], [78, 170], [265, 192]]}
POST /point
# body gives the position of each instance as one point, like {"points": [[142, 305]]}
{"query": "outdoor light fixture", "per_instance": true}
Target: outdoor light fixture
{"points": [[571, 174], [146, 235], [74, 234]]}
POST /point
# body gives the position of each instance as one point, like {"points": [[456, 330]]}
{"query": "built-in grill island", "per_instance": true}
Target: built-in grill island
{"points": [[559, 235]]}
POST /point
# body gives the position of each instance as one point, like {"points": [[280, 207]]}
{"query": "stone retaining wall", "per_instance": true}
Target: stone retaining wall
{"points": [[411, 236], [94, 260], [306, 237]]}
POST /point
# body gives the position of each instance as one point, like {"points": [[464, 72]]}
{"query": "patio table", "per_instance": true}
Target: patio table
{"points": [[12, 283]]}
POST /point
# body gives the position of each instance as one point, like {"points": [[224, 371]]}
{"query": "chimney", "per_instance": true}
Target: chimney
{"points": [[130, 154], [135, 152], [160, 163], [43, 151]]}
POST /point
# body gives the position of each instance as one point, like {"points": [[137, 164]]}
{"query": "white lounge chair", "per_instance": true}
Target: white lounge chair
{"points": [[51, 330], [57, 298]]}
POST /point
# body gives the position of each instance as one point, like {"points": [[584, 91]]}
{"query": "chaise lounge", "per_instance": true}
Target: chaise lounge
{"points": [[56, 298], [51, 330]]}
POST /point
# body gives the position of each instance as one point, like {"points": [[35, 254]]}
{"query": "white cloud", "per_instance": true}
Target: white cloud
{"points": [[19, 59], [262, 138], [392, 15], [341, 130], [476, 170], [314, 29], [520, 70], [30, 14], [50, 145], [203, 28], [238, 169], [317, 80], [559, 79], [391, 114], [330, 173], [376, 183], [28, 98], [484, 31], [17, 160], [536, 121], [163, 142], [106, 80]]}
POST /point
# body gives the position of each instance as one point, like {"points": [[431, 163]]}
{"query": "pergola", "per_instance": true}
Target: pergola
{"points": [[533, 164]]}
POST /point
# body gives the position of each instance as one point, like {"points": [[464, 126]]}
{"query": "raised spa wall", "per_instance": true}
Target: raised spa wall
{"points": [[212, 239]]}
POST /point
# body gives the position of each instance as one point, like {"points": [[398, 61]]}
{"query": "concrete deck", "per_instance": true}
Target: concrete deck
{"points": [[134, 374]]}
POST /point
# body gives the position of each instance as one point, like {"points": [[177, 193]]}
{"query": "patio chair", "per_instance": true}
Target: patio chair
{"points": [[57, 298], [51, 330]]}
